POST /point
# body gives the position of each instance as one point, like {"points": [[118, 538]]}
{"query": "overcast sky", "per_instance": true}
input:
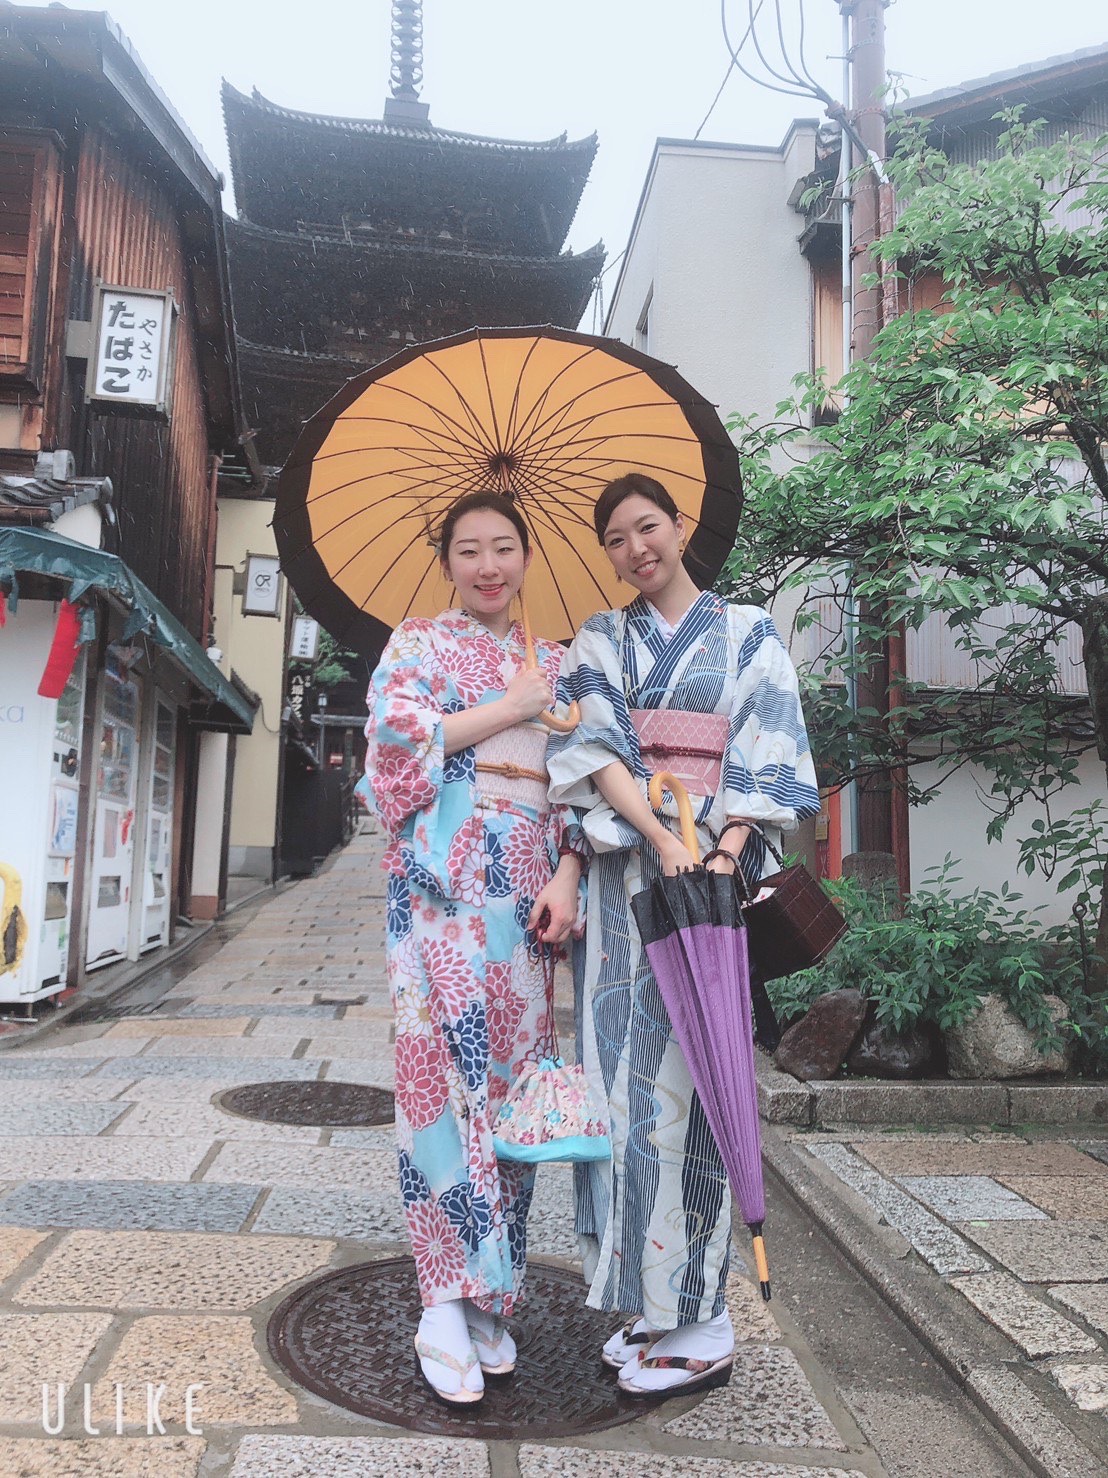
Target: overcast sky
{"points": [[633, 70]]}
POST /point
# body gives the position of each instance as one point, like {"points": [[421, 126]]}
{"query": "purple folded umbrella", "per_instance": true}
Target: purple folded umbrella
{"points": [[692, 928]]}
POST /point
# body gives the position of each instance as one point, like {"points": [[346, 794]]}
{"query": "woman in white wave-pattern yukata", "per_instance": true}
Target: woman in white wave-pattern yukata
{"points": [[655, 1221]]}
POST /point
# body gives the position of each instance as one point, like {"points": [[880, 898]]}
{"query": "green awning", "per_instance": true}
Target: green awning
{"points": [[36, 551]]}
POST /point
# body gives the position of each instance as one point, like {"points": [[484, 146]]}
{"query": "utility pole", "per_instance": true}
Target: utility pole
{"points": [[882, 807]]}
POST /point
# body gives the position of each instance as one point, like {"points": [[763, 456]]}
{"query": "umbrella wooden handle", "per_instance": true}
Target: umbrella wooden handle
{"points": [[663, 780], [549, 718]]}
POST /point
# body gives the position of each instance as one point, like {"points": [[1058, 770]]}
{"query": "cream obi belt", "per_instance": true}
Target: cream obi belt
{"points": [[688, 745], [511, 767]]}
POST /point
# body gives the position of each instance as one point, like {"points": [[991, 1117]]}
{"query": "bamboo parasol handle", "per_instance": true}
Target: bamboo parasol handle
{"points": [[663, 780], [551, 720]]}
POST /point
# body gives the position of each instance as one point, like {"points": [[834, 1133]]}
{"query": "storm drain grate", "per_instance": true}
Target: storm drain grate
{"points": [[348, 1338], [93, 1012], [330, 1105]]}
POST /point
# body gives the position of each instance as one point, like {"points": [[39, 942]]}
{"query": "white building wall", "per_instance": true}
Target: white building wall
{"points": [[955, 822]]}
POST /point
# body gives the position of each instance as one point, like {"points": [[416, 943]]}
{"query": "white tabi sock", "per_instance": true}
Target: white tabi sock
{"points": [[710, 1341], [443, 1327], [495, 1346]]}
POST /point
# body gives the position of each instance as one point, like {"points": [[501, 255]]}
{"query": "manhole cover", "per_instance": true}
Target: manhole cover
{"points": [[322, 1105], [348, 1337]]}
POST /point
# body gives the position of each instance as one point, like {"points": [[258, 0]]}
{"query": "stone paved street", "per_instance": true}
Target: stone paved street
{"points": [[147, 1235]]}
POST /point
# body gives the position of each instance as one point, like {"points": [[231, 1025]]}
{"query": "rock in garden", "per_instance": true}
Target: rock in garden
{"points": [[881, 1052], [816, 1045], [994, 1043]]}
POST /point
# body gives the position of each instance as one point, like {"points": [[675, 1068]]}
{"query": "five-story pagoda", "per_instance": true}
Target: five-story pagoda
{"points": [[356, 237]]}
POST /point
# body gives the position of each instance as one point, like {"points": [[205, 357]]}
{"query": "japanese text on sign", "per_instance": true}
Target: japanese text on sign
{"points": [[132, 346]]}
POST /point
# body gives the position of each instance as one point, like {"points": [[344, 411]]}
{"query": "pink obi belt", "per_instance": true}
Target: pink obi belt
{"points": [[511, 767], [688, 745]]}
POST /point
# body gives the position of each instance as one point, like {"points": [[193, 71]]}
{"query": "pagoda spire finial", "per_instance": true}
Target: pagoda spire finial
{"points": [[406, 72]]}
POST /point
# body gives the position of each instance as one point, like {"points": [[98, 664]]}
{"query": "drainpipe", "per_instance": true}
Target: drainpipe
{"points": [[846, 164]]}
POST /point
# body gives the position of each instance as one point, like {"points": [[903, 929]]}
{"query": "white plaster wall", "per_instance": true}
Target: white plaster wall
{"points": [[210, 789], [715, 246], [716, 240], [255, 647], [83, 525], [955, 822]]}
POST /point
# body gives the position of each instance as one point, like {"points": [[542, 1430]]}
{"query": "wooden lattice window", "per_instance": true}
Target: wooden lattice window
{"points": [[28, 209]]}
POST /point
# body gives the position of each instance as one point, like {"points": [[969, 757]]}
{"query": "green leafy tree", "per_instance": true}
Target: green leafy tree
{"points": [[966, 476]]}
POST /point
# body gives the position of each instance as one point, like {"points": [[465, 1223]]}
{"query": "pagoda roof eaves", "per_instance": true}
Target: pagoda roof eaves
{"points": [[415, 132], [355, 246]]}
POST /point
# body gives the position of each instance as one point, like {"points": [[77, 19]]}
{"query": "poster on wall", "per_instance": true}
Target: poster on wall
{"points": [[63, 821]]}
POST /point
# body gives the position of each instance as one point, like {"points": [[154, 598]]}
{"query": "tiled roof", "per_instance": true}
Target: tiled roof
{"points": [[355, 244], [42, 499], [420, 133], [1070, 62]]}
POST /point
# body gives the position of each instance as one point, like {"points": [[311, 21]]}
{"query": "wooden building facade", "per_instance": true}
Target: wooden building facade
{"points": [[102, 187]]}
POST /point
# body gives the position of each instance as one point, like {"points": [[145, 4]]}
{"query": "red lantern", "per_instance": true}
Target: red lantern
{"points": [[63, 652]]}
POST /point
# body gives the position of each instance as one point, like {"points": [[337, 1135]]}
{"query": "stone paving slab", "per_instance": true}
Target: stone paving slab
{"points": [[750, 1314], [373, 1217], [99, 1045], [1047, 1251], [71, 1090], [923, 1157], [1089, 1300], [375, 1137], [50, 1065], [539, 1462], [769, 1402], [1098, 1151], [215, 1010], [169, 1026], [374, 1048], [167, 1119], [216, 1351], [936, 1243], [16, 1244], [225, 1047], [359, 1457], [550, 1220], [306, 994], [1086, 1384], [254, 1070], [347, 1030], [42, 1348], [970, 1198], [23, 1157], [102, 1457], [190, 1207], [168, 1270], [380, 1073], [54, 1117], [1067, 1197], [302, 1165], [1038, 1329]]}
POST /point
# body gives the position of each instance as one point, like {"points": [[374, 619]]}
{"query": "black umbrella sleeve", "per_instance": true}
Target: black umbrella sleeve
{"points": [[683, 902]]}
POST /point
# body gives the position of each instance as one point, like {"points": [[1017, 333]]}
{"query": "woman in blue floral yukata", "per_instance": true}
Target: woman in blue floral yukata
{"points": [[477, 857]]}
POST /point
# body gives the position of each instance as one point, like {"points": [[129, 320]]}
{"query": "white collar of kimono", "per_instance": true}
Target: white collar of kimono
{"points": [[669, 631]]}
